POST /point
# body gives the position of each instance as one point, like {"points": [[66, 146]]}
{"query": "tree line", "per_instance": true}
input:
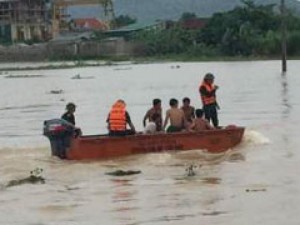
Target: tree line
{"points": [[247, 30]]}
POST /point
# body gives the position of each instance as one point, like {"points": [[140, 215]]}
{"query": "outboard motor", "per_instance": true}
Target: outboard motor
{"points": [[60, 133]]}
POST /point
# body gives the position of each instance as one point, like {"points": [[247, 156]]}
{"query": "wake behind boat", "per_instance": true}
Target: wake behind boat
{"points": [[65, 144]]}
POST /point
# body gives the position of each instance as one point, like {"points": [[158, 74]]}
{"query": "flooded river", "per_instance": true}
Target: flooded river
{"points": [[256, 183]]}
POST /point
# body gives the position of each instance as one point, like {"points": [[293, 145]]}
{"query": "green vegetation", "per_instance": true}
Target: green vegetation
{"points": [[123, 20], [249, 30]]}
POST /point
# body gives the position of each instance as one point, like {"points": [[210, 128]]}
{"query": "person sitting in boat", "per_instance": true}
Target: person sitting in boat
{"points": [[188, 110], [69, 114], [117, 120], [154, 114], [176, 117], [150, 128], [200, 123], [70, 117]]}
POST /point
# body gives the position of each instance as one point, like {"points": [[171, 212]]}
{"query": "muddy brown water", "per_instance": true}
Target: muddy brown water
{"points": [[255, 183]]}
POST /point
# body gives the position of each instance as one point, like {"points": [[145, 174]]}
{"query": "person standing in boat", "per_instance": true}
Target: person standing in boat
{"points": [[207, 91], [117, 120], [176, 117], [154, 114], [70, 117]]}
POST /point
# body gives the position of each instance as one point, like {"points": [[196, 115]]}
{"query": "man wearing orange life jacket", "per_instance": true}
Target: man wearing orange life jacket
{"points": [[207, 91], [117, 120]]}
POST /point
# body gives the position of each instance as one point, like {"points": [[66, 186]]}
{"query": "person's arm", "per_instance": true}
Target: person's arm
{"points": [[184, 120], [193, 113], [73, 119], [107, 121], [64, 117], [131, 126], [192, 126], [146, 117], [67, 121], [128, 120], [203, 91], [166, 119], [160, 119]]}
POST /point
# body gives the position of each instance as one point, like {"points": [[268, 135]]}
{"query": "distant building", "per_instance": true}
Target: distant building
{"points": [[88, 24], [126, 31], [23, 20], [72, 37], [194, 23]]}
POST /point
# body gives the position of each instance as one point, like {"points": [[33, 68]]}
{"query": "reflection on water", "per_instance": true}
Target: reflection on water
{"points": [[285, 97], [32, 108], [265, 163], [211, 180]]}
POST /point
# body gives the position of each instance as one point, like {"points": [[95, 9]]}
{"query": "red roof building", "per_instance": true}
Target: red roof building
{"points": [[194, 23], [88, 24]]}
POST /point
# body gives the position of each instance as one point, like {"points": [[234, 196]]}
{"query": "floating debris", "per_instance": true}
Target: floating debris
{"points": [[34, 178], [214, 213], [211, 180], [79, 77], [190, 171], [23, 76], [236, 157], [256, 190], [68, 188], [123, 173], [123, 68], [56, 91], [108, 63]]}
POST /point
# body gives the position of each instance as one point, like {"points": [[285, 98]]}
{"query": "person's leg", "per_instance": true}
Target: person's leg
{"points": [[214, 116], [129, 132], [207, 113], [61, 147], [117, 133], [172, 129], [54, 145]]}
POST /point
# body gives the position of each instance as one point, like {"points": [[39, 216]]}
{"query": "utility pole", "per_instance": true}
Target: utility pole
{"points": [[283, 36]]}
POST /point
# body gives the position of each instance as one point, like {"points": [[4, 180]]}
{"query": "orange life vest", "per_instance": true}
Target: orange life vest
{"points": [[117, 117], [208, 100]]}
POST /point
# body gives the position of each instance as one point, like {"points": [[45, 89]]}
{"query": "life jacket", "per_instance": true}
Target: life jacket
{"points": [[117, 117], [208, 100]]}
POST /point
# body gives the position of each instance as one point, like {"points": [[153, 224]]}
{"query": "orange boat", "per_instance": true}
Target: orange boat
{"points": [[65, 145]]}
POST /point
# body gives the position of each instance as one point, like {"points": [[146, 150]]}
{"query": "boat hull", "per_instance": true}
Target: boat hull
{"points": [[104, 147]]}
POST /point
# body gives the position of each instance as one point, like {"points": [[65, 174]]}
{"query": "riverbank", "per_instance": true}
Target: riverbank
{"points": [[114, 61]]}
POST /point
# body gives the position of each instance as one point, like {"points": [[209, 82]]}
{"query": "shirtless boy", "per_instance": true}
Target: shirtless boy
{"points": [[189, 111], [176, 117], [200, 123], [154, 114]]}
